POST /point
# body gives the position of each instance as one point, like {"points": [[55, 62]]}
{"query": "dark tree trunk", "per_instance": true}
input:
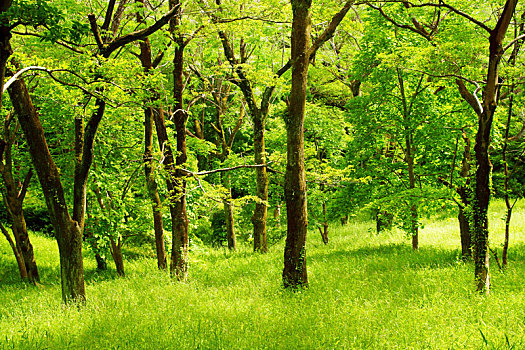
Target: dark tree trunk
{"points": [[23, 242], [486, 112], [260, 213], [116, 253], [18, 254], [324, 229], [151, 184], [294, 272], [13, 198], [228, 213], [179, 252], [464, 231]]}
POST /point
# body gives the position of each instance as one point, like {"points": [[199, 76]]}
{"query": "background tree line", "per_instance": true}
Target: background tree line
{"points": [[190, 123]]}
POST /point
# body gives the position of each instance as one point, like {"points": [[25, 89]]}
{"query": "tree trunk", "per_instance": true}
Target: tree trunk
{"points": [[116, 253], [13, 198], [260, 213], [482, 187], [414, 226], [228, 213], [151, 184], [18, 255], [67, 231], [294, 272], [177, 186], [23, 243], [464, 230], [324, 230]]}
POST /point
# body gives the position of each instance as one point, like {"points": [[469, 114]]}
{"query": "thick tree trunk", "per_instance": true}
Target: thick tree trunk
{"points": [[260, 213], [67, 231], [294, 272]]}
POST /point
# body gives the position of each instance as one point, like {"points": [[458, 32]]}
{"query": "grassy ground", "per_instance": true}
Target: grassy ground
{"points": [[366, 291]]}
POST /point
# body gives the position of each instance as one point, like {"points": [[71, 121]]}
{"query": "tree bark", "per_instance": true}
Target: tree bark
{"points": [[67, 231], [18, 255], [116, 253], [228, 213], [151, 184], [481, 200], [260, 213], [180, 240], [294, 272]]}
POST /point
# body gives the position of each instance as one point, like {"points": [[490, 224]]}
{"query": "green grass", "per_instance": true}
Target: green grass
{"points": [[366, 291]]}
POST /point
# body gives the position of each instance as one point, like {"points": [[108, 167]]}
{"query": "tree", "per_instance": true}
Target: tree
{"points": [[69, 228]]}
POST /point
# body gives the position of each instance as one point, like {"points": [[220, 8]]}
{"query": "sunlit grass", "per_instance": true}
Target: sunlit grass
{"points": [[366, 291]]}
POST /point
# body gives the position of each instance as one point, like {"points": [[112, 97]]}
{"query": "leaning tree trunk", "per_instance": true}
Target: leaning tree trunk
{"points": [[294, 272], [13, 200], [23, 242], [18, 254], [67, 231]]}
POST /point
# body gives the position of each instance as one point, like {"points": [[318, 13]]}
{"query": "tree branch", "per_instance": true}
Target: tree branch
{"points": [[25, 185], [222, 170]]}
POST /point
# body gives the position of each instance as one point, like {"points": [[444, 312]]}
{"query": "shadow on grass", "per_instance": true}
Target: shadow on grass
{"points": [[396, 255], [10, 276]]}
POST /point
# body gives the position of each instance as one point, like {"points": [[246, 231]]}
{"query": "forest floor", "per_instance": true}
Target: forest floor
{"points": [[366, 291]]}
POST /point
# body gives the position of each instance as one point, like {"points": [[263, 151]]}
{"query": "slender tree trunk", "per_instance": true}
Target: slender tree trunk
{"points": [[414, 227], [24, 244], [260, 213], [228, 213], [324, 230], [18, 255], [510, 207], [151, 184], [294, 272], [13, 200]]}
